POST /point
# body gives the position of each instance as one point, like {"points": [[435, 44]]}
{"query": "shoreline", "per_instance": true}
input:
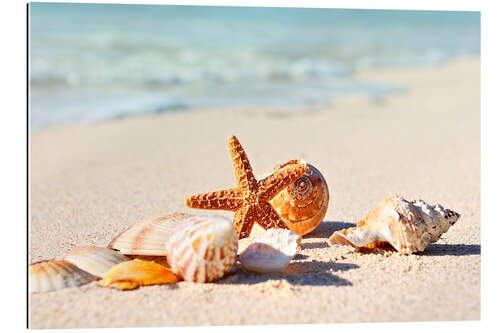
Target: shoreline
{"points": [[365, 74], [89, 182]]}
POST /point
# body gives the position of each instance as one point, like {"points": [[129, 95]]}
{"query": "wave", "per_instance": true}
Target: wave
{"points": [[86, 60]]}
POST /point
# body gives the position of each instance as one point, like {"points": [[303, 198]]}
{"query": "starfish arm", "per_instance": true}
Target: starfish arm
{"points": [[224, 199], [273, 184], [242, 169], [279, 166], [271, 218], [243, 222]]}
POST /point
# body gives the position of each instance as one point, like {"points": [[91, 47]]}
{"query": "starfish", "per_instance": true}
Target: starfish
{"points": [[250, 199]]}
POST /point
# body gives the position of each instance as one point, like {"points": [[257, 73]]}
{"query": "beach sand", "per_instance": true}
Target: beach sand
{"points": [[88, 182]]}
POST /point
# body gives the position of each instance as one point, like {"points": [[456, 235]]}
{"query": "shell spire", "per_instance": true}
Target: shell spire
{"points": [[303, 204], [408, 226]]}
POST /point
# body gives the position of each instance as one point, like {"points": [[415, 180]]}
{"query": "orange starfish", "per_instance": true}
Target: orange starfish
{"points": [[250, 200]]}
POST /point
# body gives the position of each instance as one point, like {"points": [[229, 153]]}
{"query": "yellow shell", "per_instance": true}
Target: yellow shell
{"points": [[303, 204], [134, 273]]}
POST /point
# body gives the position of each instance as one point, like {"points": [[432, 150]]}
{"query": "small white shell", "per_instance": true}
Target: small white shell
{"points": [[147, 237], [272, 252], [202, 248], [95, 260], [53, 275]]}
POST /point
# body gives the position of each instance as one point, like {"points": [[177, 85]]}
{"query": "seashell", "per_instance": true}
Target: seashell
{"points": [[257, 231], [409, 226], [162, 260], [203, 248], [303, 204], [51, 275], [134, 273], [95, 260], [147, 237], [272, 252]]}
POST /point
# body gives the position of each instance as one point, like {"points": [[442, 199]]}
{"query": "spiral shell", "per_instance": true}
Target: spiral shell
{"points": [[303, 204], [408, 226], [51, 275], [202, 248]]}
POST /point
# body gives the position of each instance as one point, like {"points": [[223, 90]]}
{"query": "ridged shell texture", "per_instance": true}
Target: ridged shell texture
{"points": [[203, 248]]}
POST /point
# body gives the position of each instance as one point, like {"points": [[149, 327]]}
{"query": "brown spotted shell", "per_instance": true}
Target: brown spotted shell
{"points": [[303, 204]]}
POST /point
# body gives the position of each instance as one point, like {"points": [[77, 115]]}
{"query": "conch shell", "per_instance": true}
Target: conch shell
{"points": [[409, 226], [95, 260], [202, 248], [270, 253], [303, 204], [134, 273], [52, 275], [147, 238]]}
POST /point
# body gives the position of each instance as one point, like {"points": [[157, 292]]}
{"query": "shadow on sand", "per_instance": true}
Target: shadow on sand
{"points": [[452, 250], [327, 228], [301, 272], [298, 274], [324, 230]]}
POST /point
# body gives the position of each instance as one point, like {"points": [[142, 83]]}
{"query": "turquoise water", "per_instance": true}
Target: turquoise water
{"points": [[90, 62]]}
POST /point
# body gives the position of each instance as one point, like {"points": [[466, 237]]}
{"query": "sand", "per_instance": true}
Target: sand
{"points": [[90, 181]]}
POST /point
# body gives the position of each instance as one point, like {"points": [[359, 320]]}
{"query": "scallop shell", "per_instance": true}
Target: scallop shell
{"points": [[272, 252], [51, 275], [95, 260], [134, 273], [303, 204], [203, 248], [409, 226], [147, 237]]}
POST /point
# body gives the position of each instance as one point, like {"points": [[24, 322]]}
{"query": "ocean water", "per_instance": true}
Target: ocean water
{"points": [[90, 62]]}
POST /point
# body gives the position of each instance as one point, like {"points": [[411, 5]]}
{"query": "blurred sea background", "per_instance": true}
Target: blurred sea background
{"points": [[90, 62]]}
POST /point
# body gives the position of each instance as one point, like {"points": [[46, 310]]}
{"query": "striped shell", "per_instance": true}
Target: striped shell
{"points": [[270, 253], [147, 237], [408, 226], [303, 204], [95, 260], [203, 248], [134, 273], [53, 275]]}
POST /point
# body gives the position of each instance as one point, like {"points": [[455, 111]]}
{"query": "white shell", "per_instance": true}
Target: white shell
{"points": [[53, 275], [272, 252], [147, 237], [202, 248], [95, 260], [408, 226]]}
